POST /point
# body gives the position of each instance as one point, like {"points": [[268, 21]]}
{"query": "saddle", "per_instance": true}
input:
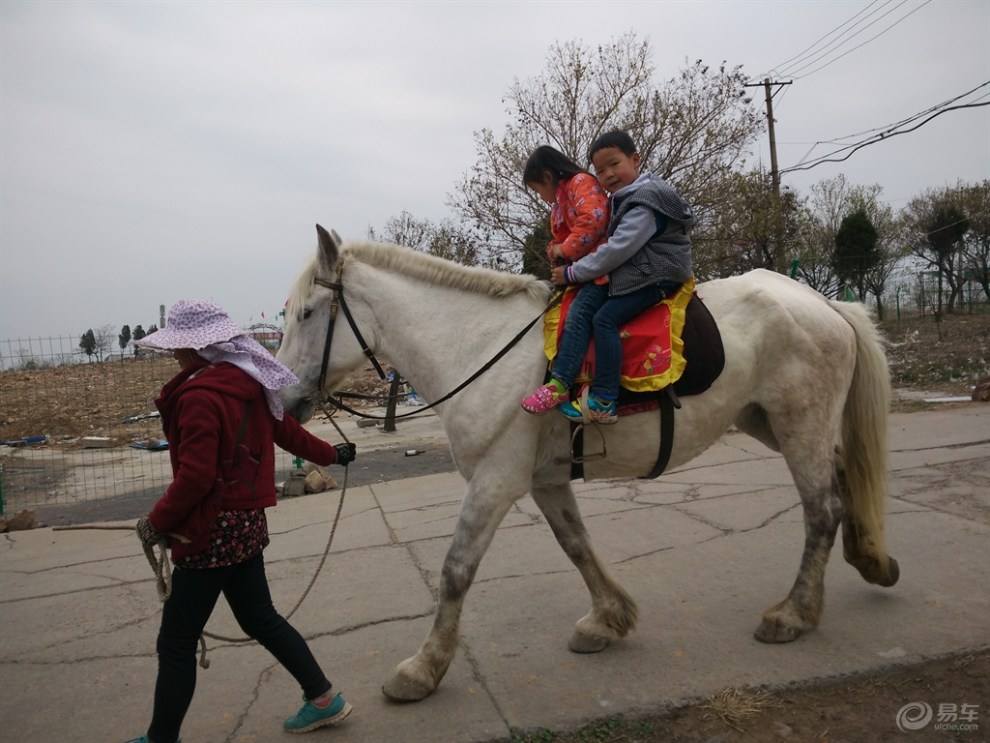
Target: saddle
{"points": [[671, 350], [674, 344]]}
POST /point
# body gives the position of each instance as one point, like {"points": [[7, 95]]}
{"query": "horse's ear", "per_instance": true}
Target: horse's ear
{"points": [[329, 251]]}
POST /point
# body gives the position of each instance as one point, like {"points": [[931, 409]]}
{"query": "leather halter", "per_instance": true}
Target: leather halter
{"points": [[338, 301]]}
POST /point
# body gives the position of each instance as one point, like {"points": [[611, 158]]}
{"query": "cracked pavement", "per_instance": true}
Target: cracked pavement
{"points": [[703, 550]]}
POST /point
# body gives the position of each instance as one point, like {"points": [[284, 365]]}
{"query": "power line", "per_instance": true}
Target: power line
{"points": [[872, 38], [857, 25], [882, 136], [887, 129], [800, 55], [902, 122], [811, 58]]}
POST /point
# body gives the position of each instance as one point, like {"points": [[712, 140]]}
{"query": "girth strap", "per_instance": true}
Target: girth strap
{"points": [[668, 401]]}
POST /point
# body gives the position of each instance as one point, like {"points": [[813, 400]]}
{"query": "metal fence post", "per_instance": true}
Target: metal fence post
{"points": [[393, 396]]}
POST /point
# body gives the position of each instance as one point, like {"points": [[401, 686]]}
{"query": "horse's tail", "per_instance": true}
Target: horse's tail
{"points": [[864, 450]]}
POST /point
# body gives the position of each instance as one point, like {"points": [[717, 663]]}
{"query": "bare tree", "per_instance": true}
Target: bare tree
{"points": [[741, 234], [695, 130], [404, 230], [975, 202], [444, 239], [105, 336], [936, 226], [831, 201], [828, 203], [891, 249]]}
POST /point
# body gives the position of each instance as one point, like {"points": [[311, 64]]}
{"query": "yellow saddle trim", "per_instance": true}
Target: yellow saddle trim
{"points": [[647, 382]]}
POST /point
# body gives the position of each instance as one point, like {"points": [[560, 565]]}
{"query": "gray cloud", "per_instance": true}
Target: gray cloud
{"points": [[154, 151]]}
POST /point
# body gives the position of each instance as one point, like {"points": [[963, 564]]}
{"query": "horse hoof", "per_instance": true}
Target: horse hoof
{"points": [[581, 643], [775, 631], [872, 572], [401, 689], [410, 682], [893, 574]]}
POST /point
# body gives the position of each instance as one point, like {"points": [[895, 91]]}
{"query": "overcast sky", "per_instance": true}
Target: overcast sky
{"points": [[154, 151]]}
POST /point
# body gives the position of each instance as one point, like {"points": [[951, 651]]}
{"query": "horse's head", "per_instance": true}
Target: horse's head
{"points": [[311, 330]]}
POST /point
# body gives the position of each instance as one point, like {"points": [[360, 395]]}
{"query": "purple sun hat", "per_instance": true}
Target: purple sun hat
{"points": [[205, 327], [192, 323]]}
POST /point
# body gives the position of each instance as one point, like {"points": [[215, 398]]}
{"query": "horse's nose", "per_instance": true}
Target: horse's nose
{"points": [[297, 403]]}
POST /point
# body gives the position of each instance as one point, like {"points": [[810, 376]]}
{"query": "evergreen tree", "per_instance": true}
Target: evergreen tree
{"points": [[855, 250], [125, 337], [137, 335], [534, 254], [88, 343], [945, 233]]}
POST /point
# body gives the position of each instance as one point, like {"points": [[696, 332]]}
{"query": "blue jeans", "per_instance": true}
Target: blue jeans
{"points": [[577, 332], [194, 594], [605, 315]]}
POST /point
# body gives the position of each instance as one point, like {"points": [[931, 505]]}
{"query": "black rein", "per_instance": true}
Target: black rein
{"points": [[338, 299]]}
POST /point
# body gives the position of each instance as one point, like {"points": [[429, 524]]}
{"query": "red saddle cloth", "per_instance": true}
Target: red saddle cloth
{"points": [[652, 347]]}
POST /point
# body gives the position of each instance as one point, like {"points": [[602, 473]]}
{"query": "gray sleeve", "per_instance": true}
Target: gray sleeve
{"points": [[634, 230]]}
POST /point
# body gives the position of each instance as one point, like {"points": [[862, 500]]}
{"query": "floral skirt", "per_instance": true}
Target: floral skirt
{"points": [[235, 536]]}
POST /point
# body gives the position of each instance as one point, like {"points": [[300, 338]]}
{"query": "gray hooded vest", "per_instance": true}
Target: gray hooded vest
{"points": [[667, 255]]}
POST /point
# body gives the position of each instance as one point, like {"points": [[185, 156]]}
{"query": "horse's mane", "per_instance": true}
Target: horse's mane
{"points": [[426, 268]]}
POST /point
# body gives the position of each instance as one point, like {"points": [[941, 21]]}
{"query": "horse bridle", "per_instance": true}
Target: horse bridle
{"points": [[338, 301]]}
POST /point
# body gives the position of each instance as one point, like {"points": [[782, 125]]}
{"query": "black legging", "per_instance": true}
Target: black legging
{"points": [[194, 594]]}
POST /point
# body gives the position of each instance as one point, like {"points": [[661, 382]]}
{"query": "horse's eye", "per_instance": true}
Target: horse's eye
{"points": [[306, 313]]}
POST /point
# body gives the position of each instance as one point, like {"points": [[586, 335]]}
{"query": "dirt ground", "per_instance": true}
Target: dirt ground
{"points": [[945, 359], [851, 710], [95, 399]]}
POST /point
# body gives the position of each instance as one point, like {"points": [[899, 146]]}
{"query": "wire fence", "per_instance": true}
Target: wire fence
{"points": [[75, 429], [78, 428]]}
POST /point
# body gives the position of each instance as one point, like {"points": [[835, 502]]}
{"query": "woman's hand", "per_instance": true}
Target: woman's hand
{"points": [[557, 276], [345, 453], [148, 535]]}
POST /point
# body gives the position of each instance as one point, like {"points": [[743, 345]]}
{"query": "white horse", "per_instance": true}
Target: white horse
{"points": [[804, 375]]}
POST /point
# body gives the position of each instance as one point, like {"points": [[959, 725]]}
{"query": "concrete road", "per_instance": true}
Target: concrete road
{"points": [[703, 550]]}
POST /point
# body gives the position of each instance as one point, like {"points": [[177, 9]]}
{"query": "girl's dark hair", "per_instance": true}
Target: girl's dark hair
{"points": [[615, 138], [546, 159]]}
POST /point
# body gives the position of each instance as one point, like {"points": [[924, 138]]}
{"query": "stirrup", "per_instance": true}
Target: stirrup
{"points": [[583, 425]]}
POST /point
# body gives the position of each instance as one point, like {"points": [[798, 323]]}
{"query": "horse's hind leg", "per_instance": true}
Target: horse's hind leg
{"points": [[481, 512], [812, 463], [613, 612]]}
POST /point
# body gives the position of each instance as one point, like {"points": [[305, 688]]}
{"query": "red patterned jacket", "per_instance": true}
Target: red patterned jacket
{"points": [[579, 217], [217, 464]]}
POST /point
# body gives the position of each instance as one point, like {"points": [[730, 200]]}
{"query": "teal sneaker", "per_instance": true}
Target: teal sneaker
{"points": [[146, 739], [311, 717], [599, 411]]}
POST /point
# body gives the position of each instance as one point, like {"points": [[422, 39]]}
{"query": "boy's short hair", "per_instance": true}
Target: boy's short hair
{"points": [[615, 138]]}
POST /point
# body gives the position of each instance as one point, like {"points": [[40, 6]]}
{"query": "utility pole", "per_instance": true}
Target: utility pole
{"points": [[779, 257]]}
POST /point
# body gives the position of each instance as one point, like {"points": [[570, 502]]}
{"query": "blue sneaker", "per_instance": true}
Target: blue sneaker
{"points": [[146, 739], [311, 717], [599, 411]]}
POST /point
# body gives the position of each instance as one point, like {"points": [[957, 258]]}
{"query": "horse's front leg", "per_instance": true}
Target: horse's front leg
{"points": [[613, 612], [481, 513]]}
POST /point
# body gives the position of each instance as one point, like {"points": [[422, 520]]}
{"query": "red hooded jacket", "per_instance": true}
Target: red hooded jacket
{"points": [[221, 439]]}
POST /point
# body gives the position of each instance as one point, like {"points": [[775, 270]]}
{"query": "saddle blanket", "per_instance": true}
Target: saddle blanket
{"points": [[652, 346]]}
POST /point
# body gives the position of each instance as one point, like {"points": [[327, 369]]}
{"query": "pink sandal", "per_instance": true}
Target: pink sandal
{"points": [[544, 400]]}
